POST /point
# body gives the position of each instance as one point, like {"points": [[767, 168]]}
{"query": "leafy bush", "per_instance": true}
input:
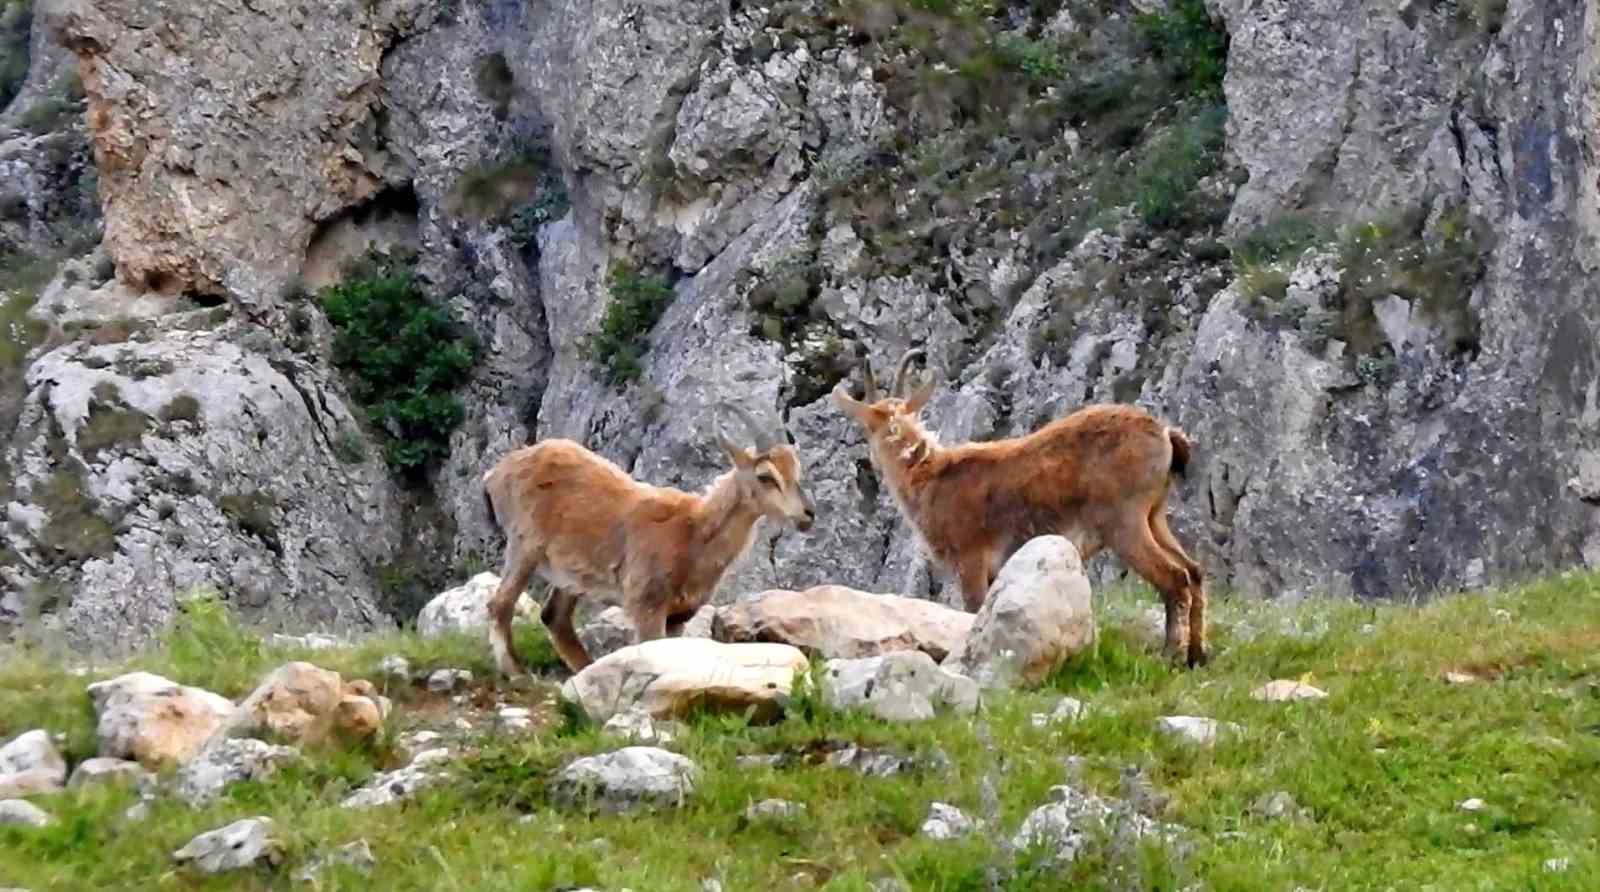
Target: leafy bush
{"points": [[1191, 48], [1284, 238], [637, 304], [1172, 166], [1435, 271], [403, 357], [1038, 59]]}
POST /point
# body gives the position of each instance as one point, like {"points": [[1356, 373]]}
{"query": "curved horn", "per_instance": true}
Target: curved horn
{"points": [[869, 390], [905, 366], [758, 435]]}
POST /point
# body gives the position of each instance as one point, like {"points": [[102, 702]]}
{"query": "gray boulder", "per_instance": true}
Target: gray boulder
{"points": [[899, 686], [30, 764], [1037, 614], [242, 844], [22, 813], [226, 761], [630, 778]]}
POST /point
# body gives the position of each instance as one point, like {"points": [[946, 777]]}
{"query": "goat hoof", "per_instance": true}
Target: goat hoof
{"points": [[1198, 659]]}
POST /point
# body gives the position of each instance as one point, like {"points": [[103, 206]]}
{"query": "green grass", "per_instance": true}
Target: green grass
{"points": [[1380, 765], [638, 301]]}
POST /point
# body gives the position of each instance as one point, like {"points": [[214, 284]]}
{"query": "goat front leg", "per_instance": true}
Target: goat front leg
{"points": [[651, 622], [502, 606]]}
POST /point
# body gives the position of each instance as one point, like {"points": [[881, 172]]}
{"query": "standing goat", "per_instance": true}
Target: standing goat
{"points": [[1098, 477], [586, 527]]}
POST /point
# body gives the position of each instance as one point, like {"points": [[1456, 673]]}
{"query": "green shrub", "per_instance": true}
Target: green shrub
{"points": [[1172, 166], [403, 358], [1190, 47], [1434, 271], [1284, 238], [637, 304], [75, 531], [1487, 16], [1038, 59]]}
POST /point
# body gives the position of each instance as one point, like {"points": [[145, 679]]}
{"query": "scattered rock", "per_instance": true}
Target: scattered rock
{"points": [[1038, 613], [227, 760], [946, 822], [465, 609], [639, 727], [1067, 710], [1075, 820], [514, 719], [154, 720], [870, 762], [836, 622], [701, 624], [1139, 793], [1453, 677], [312, 641], [239, 845], [355, 855], [91, 772], [1195, 729], [402, 783], [415, 742], [668, 677], [1557, 865], [395, 669], [31, 765], [608, 632], [760, 760], [1473, 804], [22, 813], [306, 704], [774, 810], [443, 681], [1279, 806], [629, 778], [889, 884], [900, 686], [1284, 690]]}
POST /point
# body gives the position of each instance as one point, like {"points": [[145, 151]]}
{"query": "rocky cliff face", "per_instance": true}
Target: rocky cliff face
{"points": [[1350, 250]]}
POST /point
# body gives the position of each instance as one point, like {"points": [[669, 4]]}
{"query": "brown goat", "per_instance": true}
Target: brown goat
{"points": [[1098, 477], [586, 527]]}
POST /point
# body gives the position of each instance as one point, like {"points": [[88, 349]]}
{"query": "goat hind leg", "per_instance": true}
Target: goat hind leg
{"points": [[557, 619], [1198, 655], [1139, 549]]}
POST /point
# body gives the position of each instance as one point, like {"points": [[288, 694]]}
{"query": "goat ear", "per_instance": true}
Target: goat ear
{"points": [[735, 452], [919, 397]]}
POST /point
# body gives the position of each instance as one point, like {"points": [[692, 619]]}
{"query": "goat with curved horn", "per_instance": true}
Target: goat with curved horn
{"points": [[1099, 477], [588, 528]]}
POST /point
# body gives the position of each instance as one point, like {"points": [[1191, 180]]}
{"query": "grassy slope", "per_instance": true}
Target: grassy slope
{"points": [[1381, 764]]}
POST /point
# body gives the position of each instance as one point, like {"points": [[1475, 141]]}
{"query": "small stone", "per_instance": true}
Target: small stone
{"points": [[1067, 710], [240, 844], [465, 608], [394, 786], [1501, 614], [462, 724], [396, 669], [1453, 677], [709, 885], [900, 686], [774, 810], [417, 741], [312, 641], [1557, 865], [30, 765], [873, 763], [139, 811], [1195, 729], [354, 855], [1284, 690], [632, 777], [1473, 804], [639, 727], [670, 677], [1278, 806], [227, 761], [106, 771], [514, 718], [759, 760], [946, 822], [21, 813], [443, 681]]}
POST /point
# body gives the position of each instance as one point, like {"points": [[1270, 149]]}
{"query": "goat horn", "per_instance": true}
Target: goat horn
{"points": [[905, 366], [758, 435], [869, 390]]}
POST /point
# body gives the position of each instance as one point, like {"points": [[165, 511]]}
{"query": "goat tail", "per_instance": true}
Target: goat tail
{"points": [[488, 502], [1182, 450]]}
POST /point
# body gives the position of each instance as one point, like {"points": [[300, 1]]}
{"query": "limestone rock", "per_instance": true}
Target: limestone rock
{"points": [[1068, 709], [229, 760], [946, 822], [630, 778], [21, 813], [1279, 805], [390, 787], [1195, 729], [609, 632], [100, 771], [639, 727], [444, 681], [834, 621], [1076, 820], [667, 677], [30, 765], [355, 855], [899, 686], [153, 720], [1037, 614], [239, 845], [774, 810], [465, 608], [306, 704], [1284, 690]]}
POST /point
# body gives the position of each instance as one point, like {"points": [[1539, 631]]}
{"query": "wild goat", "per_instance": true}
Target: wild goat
{"points": [[585, 526], [1098, 477]]}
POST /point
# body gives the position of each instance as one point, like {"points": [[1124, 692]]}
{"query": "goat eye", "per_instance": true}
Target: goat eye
{"points": [[767, 479]]}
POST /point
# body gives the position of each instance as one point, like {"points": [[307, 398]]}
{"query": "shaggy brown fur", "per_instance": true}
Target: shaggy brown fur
{"points": [[1098, 477], [586, 527]]}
